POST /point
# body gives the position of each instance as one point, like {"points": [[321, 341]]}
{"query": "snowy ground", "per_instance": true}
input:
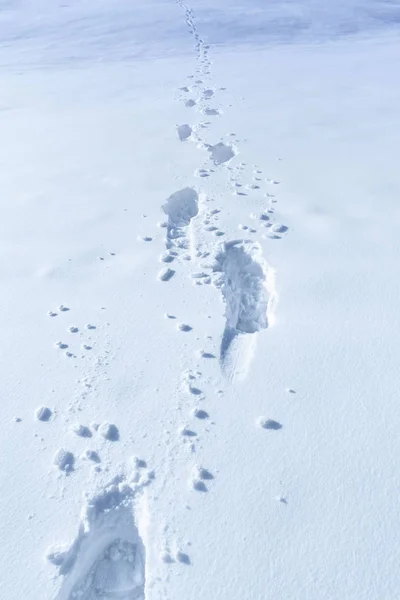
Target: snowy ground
{"points": [[199, 300]]}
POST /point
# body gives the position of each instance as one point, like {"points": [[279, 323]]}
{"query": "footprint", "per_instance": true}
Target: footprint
{"points": [[202, 173], [180, 208], [107, 559], [81, 430], [278, 228], [91, 455], [187, 432], [166, 274], [43, 413], [166, 557], [184, 327], [61, 345], [202, 473], [200, 414], [64, 460], [199, 485], [139, 463], [208, 355], [190, 103], [268, 423], [194, 390], [208, 94], [198, 477], [211, 112], [182, 557], [247, 286], [167, 257], [184, 132], [109, 432], [221, 153]]}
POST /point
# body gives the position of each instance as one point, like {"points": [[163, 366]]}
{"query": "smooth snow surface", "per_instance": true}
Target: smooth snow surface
{"points": [[199, 310]]}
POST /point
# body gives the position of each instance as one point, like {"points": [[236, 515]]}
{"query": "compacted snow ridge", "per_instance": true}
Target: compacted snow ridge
{"points": [[199, 300]]}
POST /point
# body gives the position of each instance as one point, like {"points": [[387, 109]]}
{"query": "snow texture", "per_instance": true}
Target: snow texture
{"points": [[199, 308]]}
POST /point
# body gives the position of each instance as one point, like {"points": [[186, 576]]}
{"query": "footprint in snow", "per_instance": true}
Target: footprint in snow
{"points": [[200, 413], [108, 558], [185, 431], [265, 423], [202, 173], [166, 274], [109, 432], [91, 455], [212, 112], [43, 413], [61, 345], [64, 460], [184, 132], [204, 354], [184, 327], [81, 430], [182, 557]]}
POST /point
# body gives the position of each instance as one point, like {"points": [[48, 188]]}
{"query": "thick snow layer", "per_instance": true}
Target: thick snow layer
{"points": [[199, 300]]}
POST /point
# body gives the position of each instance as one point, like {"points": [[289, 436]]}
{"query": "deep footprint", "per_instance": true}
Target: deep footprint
{"points": [[107, 560], [247, 288], [180, 208]]}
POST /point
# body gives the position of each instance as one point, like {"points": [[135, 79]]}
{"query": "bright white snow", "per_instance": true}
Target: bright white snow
{"points": [[199, 307]]}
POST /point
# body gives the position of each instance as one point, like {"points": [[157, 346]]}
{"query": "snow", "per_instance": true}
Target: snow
{"points": [[199, 299]]}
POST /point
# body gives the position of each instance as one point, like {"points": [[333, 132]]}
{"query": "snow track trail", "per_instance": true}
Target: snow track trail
{"points": [[235, 269], [236, 352]]}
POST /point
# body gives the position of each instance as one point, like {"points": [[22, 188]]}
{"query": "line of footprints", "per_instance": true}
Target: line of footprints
{"points": [[237, 269]]}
